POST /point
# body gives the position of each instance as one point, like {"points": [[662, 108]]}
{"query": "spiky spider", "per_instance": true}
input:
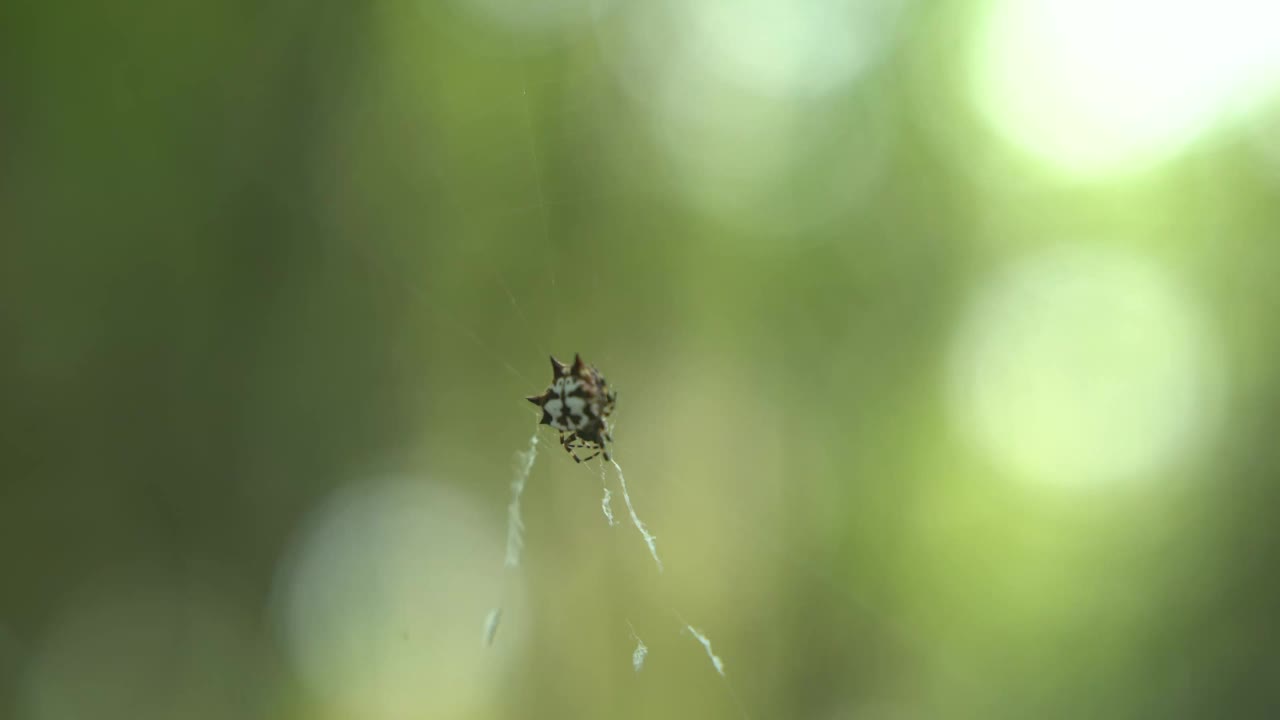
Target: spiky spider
{"points": [[578, 404]]}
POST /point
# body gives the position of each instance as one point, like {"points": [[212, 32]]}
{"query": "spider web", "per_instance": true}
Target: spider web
{"points": [[531, 333], [520, 153]]}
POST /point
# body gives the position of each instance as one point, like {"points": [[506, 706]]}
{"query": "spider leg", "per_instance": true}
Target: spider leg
{"points": [[582, 444], [567, 442]]}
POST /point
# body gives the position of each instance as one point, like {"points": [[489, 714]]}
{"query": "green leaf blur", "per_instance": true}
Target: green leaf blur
{"points": [[942, 335]]}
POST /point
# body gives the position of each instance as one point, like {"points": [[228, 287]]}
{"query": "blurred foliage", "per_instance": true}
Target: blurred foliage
{"points": [[255, 253]]}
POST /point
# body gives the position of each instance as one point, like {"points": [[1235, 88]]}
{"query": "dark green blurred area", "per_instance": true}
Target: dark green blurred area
{"points": [[252, 254]]}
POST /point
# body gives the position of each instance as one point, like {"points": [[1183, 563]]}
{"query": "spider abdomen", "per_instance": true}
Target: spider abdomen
{"points": [[577, 403]]}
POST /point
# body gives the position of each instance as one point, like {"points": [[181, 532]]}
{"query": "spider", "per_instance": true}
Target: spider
{"points": [[578, 404]]}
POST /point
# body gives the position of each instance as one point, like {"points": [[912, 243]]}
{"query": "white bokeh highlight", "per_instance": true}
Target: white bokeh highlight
{"points": [[758, 108], [1084, 366], [381, 601], [1097, 87], [767, 167], [773, 48], [791, 48]]}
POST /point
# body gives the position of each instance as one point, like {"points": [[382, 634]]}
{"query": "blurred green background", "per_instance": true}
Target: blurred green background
{"points": [[943, 335]]}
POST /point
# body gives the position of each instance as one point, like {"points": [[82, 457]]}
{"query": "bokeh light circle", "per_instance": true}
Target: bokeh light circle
{"points": [[783, 48], [773, 48], [1084, 366], [761, 110], [771, 169], [1096, 87], [383, 599]]}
